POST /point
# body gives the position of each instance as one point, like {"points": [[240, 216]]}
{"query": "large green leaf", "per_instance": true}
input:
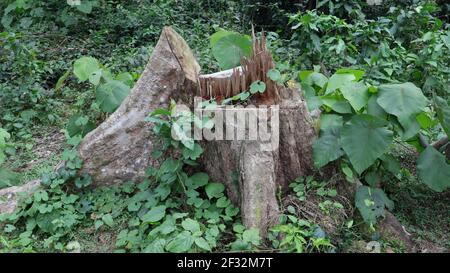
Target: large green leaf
{"points": [[312, 101], [338, 80], [79, 125], [359, 74], [229, 50], [336, 103], [111, 94], [84, 67], [374, 109], [356, 93], [327, 148], [313, 78], [126, 78], [154, 215], [364, 139], [371, 203], [409, 128], [433, 169], [443, 113], [219, 35], [402, 100], [330, 122], [181, 243]]}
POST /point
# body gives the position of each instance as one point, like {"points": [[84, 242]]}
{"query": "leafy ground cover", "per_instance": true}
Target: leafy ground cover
{"points": [[64, 68]]}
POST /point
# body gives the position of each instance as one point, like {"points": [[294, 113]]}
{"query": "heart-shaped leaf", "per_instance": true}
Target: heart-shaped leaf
{"points": [[274, 75], [364, 139], [110, 95], [338, 80], [402, 100], [371, 203], [214, 190], [181, 243], [433, 169], [257, 86], [327, 148], [84, 67], [154, 215], [356, 93], [229, 50]]}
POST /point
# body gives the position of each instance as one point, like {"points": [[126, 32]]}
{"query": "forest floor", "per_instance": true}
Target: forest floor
{"points": [[36, 111], [423, 213]]}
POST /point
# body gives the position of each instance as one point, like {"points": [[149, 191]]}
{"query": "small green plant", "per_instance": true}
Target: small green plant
{"points": [[7, 178], [51, 210], [257, 87], [299, 235], [246, 239], [172, 187], [303, 186], [110, 91]]}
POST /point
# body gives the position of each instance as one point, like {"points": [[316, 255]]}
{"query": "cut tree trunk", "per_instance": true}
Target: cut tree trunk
{"points": [[254, 175], [119, 149], [10, 197], [255, 178]]}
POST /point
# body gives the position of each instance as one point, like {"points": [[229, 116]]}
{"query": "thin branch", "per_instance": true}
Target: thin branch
{"points": [[441, 142]]}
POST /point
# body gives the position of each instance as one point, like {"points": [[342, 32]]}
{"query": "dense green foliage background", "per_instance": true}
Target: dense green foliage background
{"points": [[40, 42]]}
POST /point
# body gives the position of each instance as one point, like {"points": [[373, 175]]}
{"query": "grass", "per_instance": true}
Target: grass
{"points": [[30, 163]]}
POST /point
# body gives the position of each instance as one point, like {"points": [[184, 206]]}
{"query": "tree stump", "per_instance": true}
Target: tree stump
{"points": [[255, 177], [119, 149]]}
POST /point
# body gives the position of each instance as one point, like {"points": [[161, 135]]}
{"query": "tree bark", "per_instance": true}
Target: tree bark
{"points": [[10, 197], [255, 177], [119, 149]]}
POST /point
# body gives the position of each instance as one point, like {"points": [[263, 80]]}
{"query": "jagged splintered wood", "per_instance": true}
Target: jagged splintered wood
{"points": [[231, 82]]}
